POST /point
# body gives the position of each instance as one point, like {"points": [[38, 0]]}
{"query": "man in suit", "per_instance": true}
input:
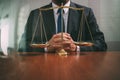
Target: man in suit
{"points": [[72, 19]]}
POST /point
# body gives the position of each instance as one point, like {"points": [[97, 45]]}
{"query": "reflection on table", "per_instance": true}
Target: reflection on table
{"points": [[49, 66]]}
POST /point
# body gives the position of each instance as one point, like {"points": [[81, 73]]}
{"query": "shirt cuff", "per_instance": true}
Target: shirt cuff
{"points": [[78, 49], [45, 49]]}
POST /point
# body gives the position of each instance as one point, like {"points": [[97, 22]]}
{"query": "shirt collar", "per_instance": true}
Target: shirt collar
{"points": [[65, 9]]}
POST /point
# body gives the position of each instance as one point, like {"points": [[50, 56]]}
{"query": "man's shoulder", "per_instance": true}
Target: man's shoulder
{"points": [[73, 4], [45, 6], [77, 5]]}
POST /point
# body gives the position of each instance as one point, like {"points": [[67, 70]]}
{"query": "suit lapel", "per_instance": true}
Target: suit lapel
{"points": [[49, 22], [74, 19]]}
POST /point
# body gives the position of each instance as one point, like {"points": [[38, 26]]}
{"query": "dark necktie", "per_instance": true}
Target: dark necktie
{"points": [[60, 21]]}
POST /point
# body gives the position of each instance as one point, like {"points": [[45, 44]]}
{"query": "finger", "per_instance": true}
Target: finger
{"points": [[68, 49], [56, 46], [59, 39], [66, 35]]}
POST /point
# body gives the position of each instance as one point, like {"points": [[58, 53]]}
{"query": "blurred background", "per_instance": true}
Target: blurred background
{"points": [[14, 14]]}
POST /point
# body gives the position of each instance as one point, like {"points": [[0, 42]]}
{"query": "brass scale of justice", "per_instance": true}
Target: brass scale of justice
{"points": [[61, 52]]}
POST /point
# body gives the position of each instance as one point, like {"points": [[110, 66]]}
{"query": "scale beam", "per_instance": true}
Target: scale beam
{"points": [[79, 38]]}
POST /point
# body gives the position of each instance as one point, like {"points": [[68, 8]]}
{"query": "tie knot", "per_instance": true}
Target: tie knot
{"points": [[60, 11]]}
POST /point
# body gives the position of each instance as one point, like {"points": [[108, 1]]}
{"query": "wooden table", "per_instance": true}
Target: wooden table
{"points": [[48, 66]]}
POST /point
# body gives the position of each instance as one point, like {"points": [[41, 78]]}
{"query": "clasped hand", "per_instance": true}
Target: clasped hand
{"points": [[58, 42]]}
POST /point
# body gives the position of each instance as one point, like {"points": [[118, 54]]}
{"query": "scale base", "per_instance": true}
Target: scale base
{"points": [[62, 52]]}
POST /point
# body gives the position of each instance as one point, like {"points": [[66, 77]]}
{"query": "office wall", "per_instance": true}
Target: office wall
{"points": [[8, 19], [110, 19], [107, 13]]}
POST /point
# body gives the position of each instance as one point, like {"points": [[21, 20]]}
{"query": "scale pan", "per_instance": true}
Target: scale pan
{"points": [[39, 45], [83, 43]]}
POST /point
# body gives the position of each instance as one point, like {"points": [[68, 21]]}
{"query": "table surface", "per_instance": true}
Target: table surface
{"points": [[49, 66]]}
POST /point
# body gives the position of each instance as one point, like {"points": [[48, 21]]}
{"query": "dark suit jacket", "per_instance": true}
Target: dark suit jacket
{"points": [[73, 28]]}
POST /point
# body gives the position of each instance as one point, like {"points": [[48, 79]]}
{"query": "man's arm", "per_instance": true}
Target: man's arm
{"points": [[24, 45], [98, 36]]}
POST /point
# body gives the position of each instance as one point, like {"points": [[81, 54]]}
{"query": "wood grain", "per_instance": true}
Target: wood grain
{"points": [[49, 66]]}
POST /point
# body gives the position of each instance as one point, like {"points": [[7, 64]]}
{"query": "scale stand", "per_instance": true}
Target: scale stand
{"points": [[60, 52]]}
